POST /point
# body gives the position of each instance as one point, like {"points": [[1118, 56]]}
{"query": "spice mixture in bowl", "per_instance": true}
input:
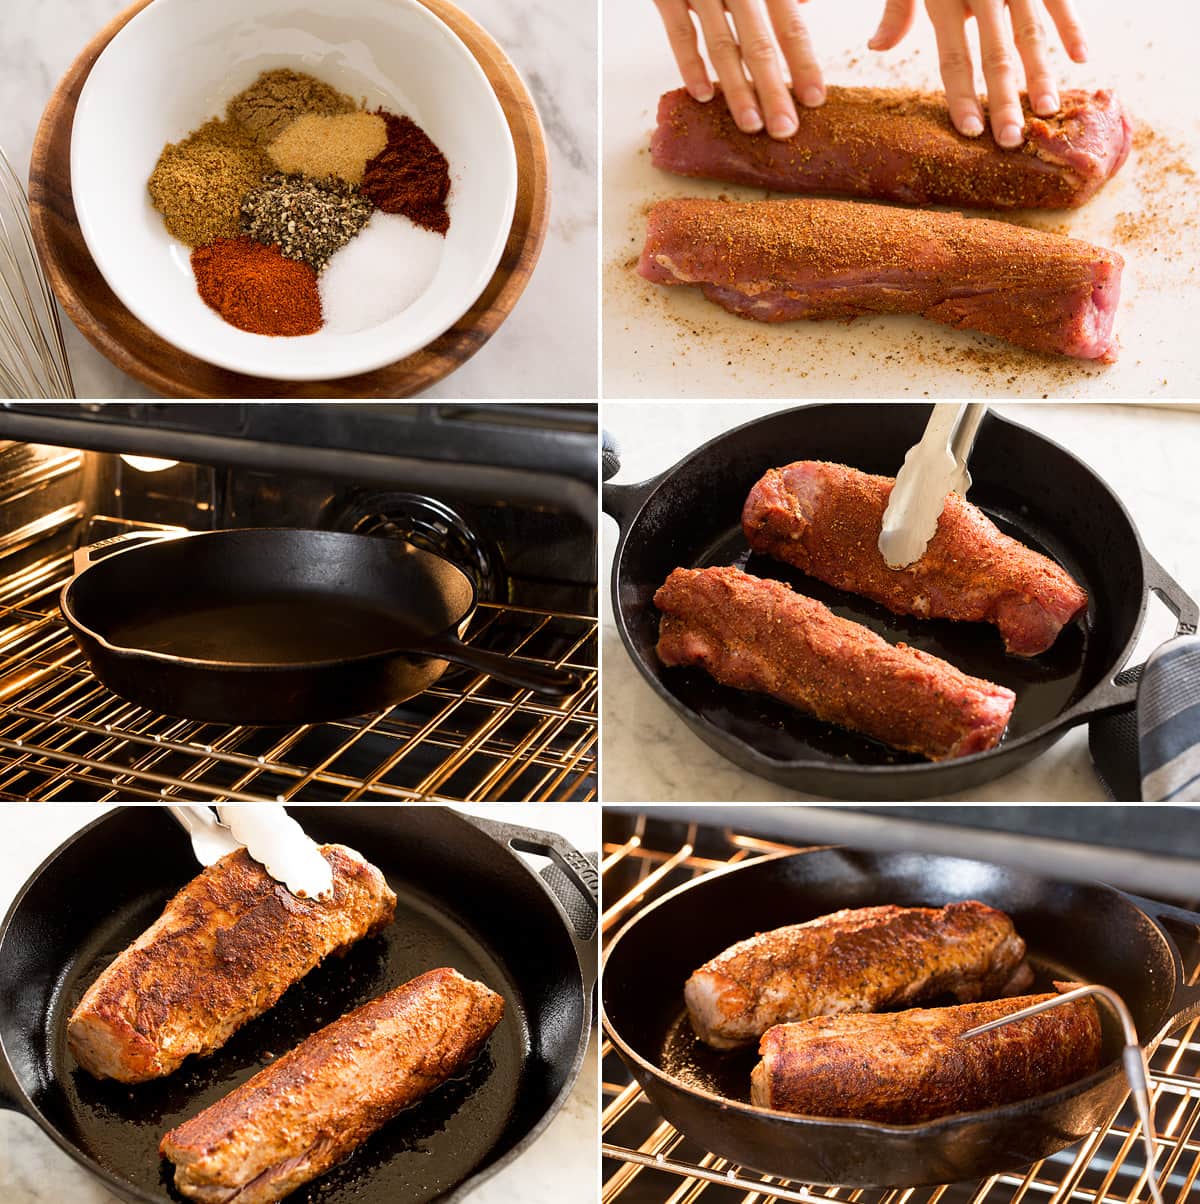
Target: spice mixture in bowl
{"points": [[293, 192]]}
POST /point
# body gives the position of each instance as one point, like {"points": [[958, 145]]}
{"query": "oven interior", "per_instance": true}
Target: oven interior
{"points": [[502, 493], [647, 1161]]}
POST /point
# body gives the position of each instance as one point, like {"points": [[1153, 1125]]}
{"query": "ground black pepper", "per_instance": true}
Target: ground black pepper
{"points": [[307, 219]]}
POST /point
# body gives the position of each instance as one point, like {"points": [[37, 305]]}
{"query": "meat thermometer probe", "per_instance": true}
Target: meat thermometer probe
{"points": [[933, 468], [1133, 1057], [268, 834]]}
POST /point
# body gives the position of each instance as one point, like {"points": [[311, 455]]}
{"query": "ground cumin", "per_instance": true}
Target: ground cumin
{"points": [[410, 176], [269, 105], [256, 288], [198, 184]]}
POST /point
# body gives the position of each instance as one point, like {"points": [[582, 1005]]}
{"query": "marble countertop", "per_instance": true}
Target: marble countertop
{"points": [[545, 349], [1147, 454], [661, 342], [563, 1164]]}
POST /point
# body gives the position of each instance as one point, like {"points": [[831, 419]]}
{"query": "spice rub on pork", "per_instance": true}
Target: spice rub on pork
{"points": [[893, 144], [825, 519], [755, 634], [225, 949], [913, 1066], [778, 261], [313, 1107], [860, 960]]}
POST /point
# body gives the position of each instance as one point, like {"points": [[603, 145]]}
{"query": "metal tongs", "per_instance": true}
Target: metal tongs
{"points": [[1133, 1058], [268, 834], [933, 468]]}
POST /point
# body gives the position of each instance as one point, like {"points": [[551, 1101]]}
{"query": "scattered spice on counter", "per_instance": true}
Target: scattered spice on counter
{"points": [[307, 219], [410, 176], [256, 288], [339, 145], [198, 184], [269, 105], [379, 274]]}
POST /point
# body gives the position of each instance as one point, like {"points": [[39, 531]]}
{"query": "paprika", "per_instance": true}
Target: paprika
{"points": [[410, 175], [256, 288]]}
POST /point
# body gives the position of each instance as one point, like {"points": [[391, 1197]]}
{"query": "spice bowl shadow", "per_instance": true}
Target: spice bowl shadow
{"points": [[144, 92]]}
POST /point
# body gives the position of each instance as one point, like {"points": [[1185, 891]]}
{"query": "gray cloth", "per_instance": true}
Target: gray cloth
{"points": [[1168, 723]]}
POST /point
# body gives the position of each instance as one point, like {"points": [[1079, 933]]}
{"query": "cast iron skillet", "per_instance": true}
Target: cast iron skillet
{"points": [[690, 516], [1086, 933], [466, 899], [276, 626]]}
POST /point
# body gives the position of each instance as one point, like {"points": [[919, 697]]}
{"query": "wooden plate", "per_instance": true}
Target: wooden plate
{"points": [[137, 350]]}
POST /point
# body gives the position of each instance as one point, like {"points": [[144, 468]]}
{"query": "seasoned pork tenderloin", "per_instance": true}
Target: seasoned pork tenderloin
{"points": [[860, 960], [908, 1067], [825, 520], [782, 261], [895, 144], [313, 1107], [758, 634], [225, 948]]}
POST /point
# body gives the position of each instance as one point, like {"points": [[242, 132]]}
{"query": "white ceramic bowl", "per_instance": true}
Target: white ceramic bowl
{"points": [[178, 62]]}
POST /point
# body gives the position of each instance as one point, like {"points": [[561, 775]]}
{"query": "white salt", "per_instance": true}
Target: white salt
{"points": [[379, 273]]}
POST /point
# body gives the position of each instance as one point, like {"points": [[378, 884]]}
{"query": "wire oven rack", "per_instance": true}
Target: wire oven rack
{"points": [[648, 1161], [467, 739]]}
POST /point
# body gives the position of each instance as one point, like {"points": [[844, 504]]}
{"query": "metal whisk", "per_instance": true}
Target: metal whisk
{"points": [[33, 357]]}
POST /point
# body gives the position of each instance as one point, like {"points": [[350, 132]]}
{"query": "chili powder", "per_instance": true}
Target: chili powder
{"points": [[410, 175], [256, 288]]}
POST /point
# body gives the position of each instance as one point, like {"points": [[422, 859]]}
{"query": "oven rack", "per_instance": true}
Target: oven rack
{"points": [[648, 1161], [467, 739]]}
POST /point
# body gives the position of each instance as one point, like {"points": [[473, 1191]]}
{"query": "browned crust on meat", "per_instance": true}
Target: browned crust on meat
{"points": [[310, 1109], [859, 960], [225, 949], [913, 1066]]}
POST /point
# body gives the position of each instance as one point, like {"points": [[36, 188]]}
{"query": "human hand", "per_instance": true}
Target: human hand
{"points": [[999, 36], [765, 35]]}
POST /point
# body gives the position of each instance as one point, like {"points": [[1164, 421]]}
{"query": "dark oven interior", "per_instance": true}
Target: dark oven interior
{"points": [[506, 492], [648, 852]]}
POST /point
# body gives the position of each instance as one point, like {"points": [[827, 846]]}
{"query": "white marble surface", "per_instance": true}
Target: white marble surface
{"points": [[563, 1165], [1148, 456], [547, 347], [661, 342]]}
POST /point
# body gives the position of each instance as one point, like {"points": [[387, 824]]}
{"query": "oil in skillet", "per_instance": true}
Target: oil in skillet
{"points": [[1044, 685]]}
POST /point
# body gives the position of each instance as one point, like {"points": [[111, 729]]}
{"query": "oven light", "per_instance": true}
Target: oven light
{"points": [[148, 463]]}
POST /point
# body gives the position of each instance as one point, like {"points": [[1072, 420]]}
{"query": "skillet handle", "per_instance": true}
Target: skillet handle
{"points": [[1114, 695], [1185, 1003], [622, 502], [515, 670], [580, 906], [85, 557]]}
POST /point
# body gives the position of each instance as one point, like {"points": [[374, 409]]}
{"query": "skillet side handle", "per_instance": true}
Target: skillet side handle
{"points": [[1185, 1003], [622, 502], [580, 906], [1115, 695], [85, 557]]}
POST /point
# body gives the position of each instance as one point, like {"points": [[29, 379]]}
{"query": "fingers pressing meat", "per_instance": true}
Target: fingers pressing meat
{"points": [[313, 1107], [825, 519], [908, 1067], [755, 634], [777, 261], [861, 960], [893, 144], [225, 949]]}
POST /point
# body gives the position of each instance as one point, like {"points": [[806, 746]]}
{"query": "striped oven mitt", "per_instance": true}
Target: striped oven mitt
{"points": [[1168, 723]]}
